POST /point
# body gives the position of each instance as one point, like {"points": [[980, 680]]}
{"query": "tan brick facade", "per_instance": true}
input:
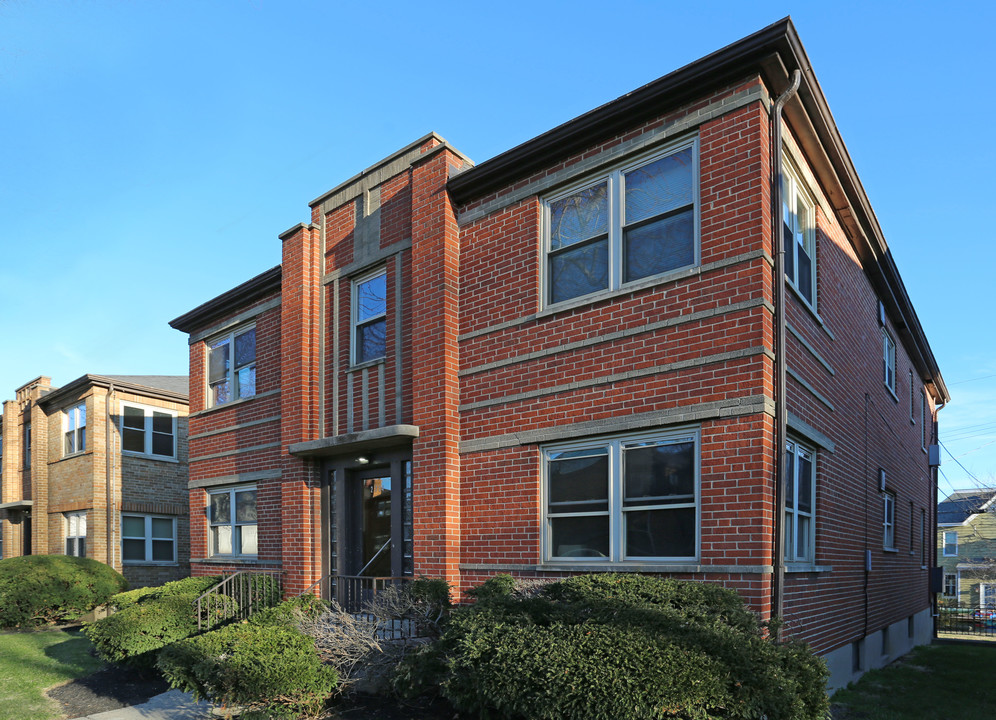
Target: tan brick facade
{"points": [[87, 501]]}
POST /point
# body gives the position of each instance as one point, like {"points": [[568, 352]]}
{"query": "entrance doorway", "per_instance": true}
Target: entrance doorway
{"points": [[372, 512]]}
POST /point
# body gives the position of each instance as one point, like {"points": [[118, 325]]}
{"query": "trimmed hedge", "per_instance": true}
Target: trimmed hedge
{"points": [[38, 589], [617, 647], [135, 633], [268, 667], [196, 585]]}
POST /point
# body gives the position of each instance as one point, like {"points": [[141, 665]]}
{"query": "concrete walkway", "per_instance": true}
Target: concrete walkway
{"points": [[172, 705]]}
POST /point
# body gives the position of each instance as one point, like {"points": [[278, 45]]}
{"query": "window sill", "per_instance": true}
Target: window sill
{"points": [[809, 308], [891, 392], [890, 550], [368, 364], [149, 563], [233, 560], [802, 567], [234, 403], [75, 455], [636, 285], [146, 456]]}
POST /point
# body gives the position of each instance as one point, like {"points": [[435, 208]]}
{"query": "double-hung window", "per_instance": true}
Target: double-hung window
{"points": [[950, 585], [232, 366], [148, 539], [618, 499], [889, 520], [799, 220], [75, 533], [636, 222], [800, 485], [232, 520], [888, 361], [75, 430], [369, 315], [148, 431], [951, 544]]}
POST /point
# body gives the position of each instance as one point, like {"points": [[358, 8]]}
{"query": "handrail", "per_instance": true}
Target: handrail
{"points": [[376, 555], [245, 593]]}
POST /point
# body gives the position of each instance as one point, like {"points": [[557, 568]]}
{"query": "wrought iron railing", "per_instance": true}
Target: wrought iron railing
{"points": [[353, 592], [972, 620], [237, 597]]}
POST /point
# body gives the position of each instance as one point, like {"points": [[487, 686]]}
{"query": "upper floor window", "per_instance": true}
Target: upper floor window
{"points": [[632, 498], [75, 430], [27, 445], [799, 219], [232, 366], [76, 533], [800, 486], [369, 315], [889, 521], [232, 520], [636, 222], [149, 431], [888, 361], [951, 544]]}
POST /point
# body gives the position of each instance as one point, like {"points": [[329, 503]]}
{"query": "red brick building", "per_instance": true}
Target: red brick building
{"points": [[569, 359]]}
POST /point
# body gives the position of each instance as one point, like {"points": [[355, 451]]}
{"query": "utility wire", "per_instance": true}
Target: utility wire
{"points": [[977, 481]]}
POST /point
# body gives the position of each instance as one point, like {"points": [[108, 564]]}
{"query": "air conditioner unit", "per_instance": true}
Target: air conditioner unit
{"points": [[881, 480]]}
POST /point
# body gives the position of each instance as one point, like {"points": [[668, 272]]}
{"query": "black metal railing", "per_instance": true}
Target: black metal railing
{"points": [[972, 620], [237, 597], [353, 592]]}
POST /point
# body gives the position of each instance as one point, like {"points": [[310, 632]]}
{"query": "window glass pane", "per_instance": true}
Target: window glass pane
{"points": [[579, 271], [71, 419], [580, 537], [81, 416], [579, 485], [790, 479], [81, 439], [133, 549], [133, 526], [70, 442], [162, 422], [659, 246], [371, 341], [660, 533], [245, 348], [659, 187], [81, 524], [805, 280], [162, 444], [245, 506], [245, 378], [134, 417], [133, 440], [803, 525], [221, 508], [162, 528], [221, 539], [219, 393], [371, 298], [789, 535], [580, 216], [659, 474], [248, 539], [218, 362], [805, 483], [162, 550]]}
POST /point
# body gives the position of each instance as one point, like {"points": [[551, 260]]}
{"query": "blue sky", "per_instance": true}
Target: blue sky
{"points": [[151, 152]]}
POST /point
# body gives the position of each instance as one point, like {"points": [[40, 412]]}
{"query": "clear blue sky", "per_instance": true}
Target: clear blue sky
{"points": [[151, 152]]}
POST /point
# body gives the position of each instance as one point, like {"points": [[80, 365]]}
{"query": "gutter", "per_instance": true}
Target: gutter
{"points": [[781, 402]]}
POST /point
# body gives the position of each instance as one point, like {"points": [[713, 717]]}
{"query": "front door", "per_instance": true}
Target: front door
{"points": [[372, 511]]}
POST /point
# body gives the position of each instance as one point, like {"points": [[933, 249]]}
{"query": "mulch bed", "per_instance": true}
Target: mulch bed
{"points": [[107, 689]]}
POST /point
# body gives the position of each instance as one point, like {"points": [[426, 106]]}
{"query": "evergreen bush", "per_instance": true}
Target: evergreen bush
{"points": [[196, 585], [38, 589]]}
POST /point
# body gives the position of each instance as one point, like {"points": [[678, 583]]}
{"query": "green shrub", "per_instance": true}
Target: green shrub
{"points": [[186, 586], [287, 612], [135, 633], [620, 647], [38, 589], [272, 670]]}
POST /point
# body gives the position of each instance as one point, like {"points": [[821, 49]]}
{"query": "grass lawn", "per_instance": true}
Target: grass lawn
{"points": [[934, 682], [33, 661]]}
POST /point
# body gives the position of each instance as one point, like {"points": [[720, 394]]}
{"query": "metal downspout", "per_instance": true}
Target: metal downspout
{"points": [[781, 406], [109, 489]]}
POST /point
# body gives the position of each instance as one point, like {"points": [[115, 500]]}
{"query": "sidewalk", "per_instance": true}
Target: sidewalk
{"points": [[172, 705]]}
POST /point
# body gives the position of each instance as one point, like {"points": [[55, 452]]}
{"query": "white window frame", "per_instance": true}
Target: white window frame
{"points": [[953, 585], [354, 320], [889, 361], [794, 514], [794, 190], [232, 523], [73, 533], [616, 192], [231, 376], [148, 431], [889, 520], [616, 512], [73, 430], [945, 543], [147, 538]]}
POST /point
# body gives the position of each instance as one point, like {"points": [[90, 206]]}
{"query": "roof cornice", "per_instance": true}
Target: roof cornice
{"points": [[101, 381], [252, 289]]}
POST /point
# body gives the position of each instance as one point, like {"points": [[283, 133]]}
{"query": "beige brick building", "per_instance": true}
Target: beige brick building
{"points": [[98, 468]]}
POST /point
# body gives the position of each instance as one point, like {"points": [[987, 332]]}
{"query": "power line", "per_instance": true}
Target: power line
{"points": [[977, 482]]}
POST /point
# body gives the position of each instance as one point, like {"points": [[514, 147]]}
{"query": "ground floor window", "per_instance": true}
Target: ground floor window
{"points": [[232, 521], [148, 539], [75, 523], [800, 491], [950, 585], [622, 498]]}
